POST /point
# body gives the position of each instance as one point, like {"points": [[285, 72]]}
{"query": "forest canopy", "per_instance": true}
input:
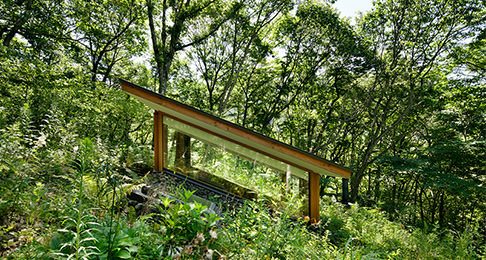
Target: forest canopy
{"points": [[398, 95]]}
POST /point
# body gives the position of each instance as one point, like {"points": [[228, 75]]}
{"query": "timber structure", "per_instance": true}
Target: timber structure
{"points": [[190, 122]]}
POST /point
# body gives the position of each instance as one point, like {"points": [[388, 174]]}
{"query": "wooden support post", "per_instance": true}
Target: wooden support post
{"points": [[314, 213], [160, 142]]}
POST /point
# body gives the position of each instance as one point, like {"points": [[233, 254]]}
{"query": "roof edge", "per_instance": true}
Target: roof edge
{"points": [[125, 83]]}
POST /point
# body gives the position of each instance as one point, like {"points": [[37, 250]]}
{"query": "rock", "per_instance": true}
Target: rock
{"points": [[139, 207], [137, 196], [140, 168], [146, 189]]}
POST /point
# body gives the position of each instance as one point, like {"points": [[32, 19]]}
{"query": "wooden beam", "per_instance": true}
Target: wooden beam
{"points": [[314, 213], [158, 141]]}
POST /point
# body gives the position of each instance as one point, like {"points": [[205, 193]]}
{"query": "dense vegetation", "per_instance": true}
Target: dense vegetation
{"points": [[398, 96]]}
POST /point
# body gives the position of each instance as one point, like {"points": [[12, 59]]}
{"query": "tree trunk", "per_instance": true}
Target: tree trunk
{"points": [[356, 181], [18, 24], [155, 45], [187, 151], [179, 151], [345, 194], [441, 210]]}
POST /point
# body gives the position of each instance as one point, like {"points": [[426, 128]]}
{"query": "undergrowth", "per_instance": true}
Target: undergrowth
{"points": [[77, 209]]}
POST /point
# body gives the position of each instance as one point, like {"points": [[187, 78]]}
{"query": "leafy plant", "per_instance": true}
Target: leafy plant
{"points": [[189, 228], [114, 241], [77, 239], [78, 228], [252, 232], [353, 255]]}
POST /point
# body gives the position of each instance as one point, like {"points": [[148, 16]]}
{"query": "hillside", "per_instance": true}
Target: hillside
{"points": [[396, 96]]}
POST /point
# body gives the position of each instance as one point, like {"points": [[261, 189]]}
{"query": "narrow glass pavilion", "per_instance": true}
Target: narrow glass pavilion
{"points": [[202, 126]]}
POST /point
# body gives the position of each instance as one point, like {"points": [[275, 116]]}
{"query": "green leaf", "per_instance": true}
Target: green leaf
{"points": [[124, 254], [133, 249]]}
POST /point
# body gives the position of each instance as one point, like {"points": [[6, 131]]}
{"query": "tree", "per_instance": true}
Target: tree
{"points": [[38, 22], [409, 38], [182, 24], [235, 50], [330, 52], [102, 33], [469, 56]]}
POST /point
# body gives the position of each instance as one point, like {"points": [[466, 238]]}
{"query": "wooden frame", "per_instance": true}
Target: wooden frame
{"points": [[293, 157], [235, 133]]}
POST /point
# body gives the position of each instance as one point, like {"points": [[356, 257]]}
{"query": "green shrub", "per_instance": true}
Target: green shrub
{"points": [[372, 233], [189, 229], [253, 233]]}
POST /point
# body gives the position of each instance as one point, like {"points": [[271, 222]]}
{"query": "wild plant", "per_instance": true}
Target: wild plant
{"points": [[14, 171], [113, 243], [253, 232], [36, 204], [78, 228], [189, 229], [350, 253]]}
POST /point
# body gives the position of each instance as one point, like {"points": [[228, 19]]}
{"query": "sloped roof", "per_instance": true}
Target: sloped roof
{"points": [[234, 138]]}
